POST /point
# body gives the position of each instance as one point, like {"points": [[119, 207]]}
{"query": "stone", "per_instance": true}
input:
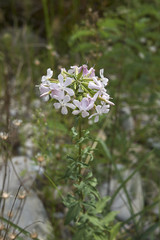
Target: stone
{"points": [[32, 215], [27, 130], [153, 143], [20, 170], [126, 119], [29, 147], [135, 193], [28, 209]]}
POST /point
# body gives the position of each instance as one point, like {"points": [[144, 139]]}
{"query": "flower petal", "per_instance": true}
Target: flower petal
{"points": [[105, 109], [75, 112], [49, 73], [92, 85], [57, 105], [43, 90], [84, 114], [66, 99], [69, 91], [101, 73], [96, 119], [44, 78], [54, 86], [68, 81], [92, 115], [60, 78], [64, 110], [71, 105], [45, 98], [98, 109], [77, 103]]}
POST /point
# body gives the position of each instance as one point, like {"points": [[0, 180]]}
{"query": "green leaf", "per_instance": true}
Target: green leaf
{"points": [[73, 212], [99, 237], [101, 205], [109, 218], [81, 34], [80, 234], [105, 148], [114, 231], [85, 47], [95, 221]]}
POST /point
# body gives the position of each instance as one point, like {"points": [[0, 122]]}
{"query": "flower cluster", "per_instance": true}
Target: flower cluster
{"points": [[78, 89]]}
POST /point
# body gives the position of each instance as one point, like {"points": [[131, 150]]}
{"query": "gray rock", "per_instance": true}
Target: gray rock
{"points": [[143, 120], [127, 121], [20, 170], [154, 143], [27, 129], [32, 214], [29, 147], [121, 203]]}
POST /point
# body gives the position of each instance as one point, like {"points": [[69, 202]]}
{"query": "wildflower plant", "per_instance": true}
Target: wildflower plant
{"points": [[78, 89], [84, 94]]}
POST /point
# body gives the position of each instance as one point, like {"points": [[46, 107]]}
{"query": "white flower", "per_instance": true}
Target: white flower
{"points": [[47, 77], [44, 91], [55, 91], [106, 97], [84, 106], [97, 85], [100, 110], [63, 84], [73, 70], [91, 72], [104, 79], [84, 70], [64, 103], [79, 89]]}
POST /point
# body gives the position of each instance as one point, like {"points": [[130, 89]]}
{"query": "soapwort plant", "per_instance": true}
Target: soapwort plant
{"points": [[84, 94]]}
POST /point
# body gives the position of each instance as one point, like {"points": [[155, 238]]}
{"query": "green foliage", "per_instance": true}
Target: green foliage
{"points": [[85, 207]]}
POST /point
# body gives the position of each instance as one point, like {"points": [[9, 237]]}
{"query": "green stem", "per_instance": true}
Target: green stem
{"points": [[80, 146], [80, 160]]}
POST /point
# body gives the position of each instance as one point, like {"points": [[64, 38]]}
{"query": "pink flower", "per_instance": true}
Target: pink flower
{"points": [[97, 85], [63, 85], [91, 72], [44, 91], [48, 76], [55, 91], [64, 103], [83, 68], [104, 80], [84, 106], [100, 110], [106, 97]]}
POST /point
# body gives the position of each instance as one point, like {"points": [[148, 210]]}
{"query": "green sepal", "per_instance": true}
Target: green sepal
{"points": [[79, 75]]}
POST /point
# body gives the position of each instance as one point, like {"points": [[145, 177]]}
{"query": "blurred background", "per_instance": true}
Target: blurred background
{"points": [[123, 37]]}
